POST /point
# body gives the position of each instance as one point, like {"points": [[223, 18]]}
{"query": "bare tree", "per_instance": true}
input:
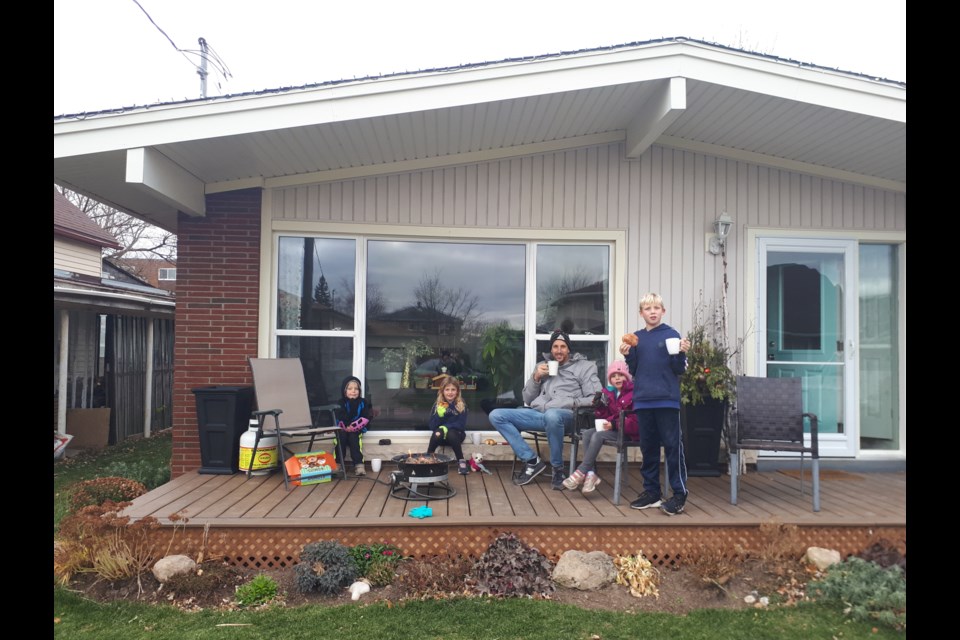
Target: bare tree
{"points": [[140, 239], [439, 301]]}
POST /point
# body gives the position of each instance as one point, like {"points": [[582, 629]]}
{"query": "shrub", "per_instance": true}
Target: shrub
{"points": [[99, 490], [365, 555], [325, 567], [886, 554], [97, 539], [149, 473], [434, 577], [511, 568], [638, 574], [866, 590], [260, 590], [780, 546], [715, 567]]}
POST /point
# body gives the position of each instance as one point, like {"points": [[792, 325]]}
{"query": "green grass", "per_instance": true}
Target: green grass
{"points": [[468, 619], [460, 619]]}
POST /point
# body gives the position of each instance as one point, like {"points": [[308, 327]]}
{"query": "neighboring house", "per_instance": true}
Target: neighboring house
{"points": [[160, 273], [518, 191], [103, 320]]}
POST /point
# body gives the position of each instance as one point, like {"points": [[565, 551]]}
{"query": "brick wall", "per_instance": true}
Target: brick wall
{"points": [[218, 257]]}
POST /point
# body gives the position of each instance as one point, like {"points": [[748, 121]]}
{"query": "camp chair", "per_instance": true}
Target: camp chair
{"points": [[281, 391], [769, 417]]}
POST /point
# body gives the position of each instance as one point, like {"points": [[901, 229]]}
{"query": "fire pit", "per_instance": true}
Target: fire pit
{"points": [[421, 476]]}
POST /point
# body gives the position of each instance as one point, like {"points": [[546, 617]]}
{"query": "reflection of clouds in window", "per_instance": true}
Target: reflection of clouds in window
{"points": [[494, 273], [876, 270]]}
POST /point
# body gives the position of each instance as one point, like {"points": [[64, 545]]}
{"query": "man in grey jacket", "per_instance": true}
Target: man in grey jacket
{"points": [[551, 401]]}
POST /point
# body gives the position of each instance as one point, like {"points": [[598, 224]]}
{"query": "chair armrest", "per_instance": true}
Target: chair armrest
{"points": [[621, 423], [814, 435], [315, 412]]}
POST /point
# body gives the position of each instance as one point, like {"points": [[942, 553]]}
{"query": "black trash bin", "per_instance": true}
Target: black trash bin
{"points": [[223, 414]]}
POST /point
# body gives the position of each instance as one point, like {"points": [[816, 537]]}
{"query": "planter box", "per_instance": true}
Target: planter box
{"points": [[702, 426], [90, 428]]}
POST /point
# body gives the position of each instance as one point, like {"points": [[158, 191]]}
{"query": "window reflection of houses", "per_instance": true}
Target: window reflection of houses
{"points": [[393, 329], [582, 310]]}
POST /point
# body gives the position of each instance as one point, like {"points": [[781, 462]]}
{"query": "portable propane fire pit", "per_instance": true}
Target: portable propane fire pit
{"points": [[421, 476]]}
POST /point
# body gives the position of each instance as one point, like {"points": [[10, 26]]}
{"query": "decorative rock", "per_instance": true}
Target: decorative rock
{"points": [[586, 571], [170, 566], [765, 601], [821, 558], [749, 598]]}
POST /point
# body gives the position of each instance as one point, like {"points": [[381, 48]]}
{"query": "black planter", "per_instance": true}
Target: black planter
{"points": [[223, 414], [702, 426]]}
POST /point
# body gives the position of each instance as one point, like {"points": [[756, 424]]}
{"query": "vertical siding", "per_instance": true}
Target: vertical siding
{"points": [[667, 201]]}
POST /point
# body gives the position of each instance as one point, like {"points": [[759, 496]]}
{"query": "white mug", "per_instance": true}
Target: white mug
{"points": [[476, 437], [375, 465], [599, 424], [673, 345], [553, 367]]}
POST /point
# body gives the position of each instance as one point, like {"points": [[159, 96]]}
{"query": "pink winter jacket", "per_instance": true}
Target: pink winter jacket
{"points": [[611, 410]]}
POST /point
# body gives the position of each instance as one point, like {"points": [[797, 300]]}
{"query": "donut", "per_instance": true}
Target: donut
{"points": [[630, 339]]}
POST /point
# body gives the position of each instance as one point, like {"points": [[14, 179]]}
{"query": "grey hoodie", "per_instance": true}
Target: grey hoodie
{"points": [[574, 386]]}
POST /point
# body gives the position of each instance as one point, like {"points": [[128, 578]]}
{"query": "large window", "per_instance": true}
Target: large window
{"points": [[425, 309]]}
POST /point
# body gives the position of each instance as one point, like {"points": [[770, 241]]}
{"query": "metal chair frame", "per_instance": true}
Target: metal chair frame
{"points": [[769, 416], [281, 390]]}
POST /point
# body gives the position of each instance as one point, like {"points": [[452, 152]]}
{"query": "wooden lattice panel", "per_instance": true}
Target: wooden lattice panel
{"points": [[663, 546]]}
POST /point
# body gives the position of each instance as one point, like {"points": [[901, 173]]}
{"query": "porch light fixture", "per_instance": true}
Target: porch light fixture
{"points": [[721, 226]]}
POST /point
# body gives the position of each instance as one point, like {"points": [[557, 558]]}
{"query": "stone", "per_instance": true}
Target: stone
{"points": [[821, 558], [170, 566], [586, 571]]}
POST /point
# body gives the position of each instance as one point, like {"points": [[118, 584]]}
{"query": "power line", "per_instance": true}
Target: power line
{"points": [[206, 54]]}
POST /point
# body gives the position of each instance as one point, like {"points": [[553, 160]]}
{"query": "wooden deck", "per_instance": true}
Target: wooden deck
{"points": [[256, 522]]}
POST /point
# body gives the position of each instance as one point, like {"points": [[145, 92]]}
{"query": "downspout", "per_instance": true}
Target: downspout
{"points": [[148, 391], [62, 380]]}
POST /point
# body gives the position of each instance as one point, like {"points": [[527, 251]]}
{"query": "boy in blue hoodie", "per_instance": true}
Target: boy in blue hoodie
{"points": [[353, 413], [656, 401]]}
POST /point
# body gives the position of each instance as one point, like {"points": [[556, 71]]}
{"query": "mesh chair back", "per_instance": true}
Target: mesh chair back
{"points": [[280, 384], [769, 409]]}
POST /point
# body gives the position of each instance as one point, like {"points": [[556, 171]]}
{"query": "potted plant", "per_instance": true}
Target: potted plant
{"points": [[397, 361], [503, 357], [707, 388], [394, 359]]}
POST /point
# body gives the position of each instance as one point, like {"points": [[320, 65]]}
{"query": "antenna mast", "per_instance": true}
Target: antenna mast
{"points": [[202, 71]]}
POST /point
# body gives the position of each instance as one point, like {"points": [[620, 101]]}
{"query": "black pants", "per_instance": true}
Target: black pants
{"points": [[453, 439], [352, 443]]}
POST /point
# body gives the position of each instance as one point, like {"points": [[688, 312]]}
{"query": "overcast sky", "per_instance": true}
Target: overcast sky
{"points": [[108, 53]]}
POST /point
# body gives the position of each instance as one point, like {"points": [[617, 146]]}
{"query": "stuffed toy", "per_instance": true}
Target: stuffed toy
{"points": [[476, 463]]}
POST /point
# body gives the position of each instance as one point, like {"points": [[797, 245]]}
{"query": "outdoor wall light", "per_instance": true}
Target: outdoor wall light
{"points": [[722, 226]]}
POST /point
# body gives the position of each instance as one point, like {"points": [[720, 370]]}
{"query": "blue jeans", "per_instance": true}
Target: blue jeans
{"points": [[554, 422]]}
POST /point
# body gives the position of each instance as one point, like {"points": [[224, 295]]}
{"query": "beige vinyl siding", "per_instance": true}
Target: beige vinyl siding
{"points": [[77, 257], [665, 201]]}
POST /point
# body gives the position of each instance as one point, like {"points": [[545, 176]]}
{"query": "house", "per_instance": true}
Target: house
{"points": [[108, 384], [502, 192], [160, 273]]}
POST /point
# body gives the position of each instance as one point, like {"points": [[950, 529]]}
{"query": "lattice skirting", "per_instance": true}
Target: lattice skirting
{"points": [[664, 546]]}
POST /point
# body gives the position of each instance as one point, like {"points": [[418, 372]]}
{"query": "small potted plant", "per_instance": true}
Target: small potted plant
{"points": [[394, 359], [707, 388]]}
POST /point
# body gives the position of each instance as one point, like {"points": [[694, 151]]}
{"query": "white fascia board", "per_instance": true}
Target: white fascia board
{"points": [[444, 89], [154, 173]]}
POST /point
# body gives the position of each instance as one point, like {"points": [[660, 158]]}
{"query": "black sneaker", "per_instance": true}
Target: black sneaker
{"points": [[645, 501], [674, 505], [558, 477], [534, 468]]}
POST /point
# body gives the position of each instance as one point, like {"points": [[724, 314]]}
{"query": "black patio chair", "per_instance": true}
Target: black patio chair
{"points": [[622, 445], [769, 417]]}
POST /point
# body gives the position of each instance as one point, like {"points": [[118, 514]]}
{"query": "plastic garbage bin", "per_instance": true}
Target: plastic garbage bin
{"points": [[223, 413]]}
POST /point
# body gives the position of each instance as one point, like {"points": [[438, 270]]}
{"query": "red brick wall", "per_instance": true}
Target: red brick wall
{"points": [[218, 260]]}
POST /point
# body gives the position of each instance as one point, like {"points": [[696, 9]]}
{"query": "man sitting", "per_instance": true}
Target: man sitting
{"points": [[551, 401]]}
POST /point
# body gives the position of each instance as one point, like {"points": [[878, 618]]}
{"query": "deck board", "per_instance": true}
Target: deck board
{"points": [[485, 504]]}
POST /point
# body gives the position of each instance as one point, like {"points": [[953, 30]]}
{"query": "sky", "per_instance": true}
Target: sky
{"points": [[120, 53]]}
